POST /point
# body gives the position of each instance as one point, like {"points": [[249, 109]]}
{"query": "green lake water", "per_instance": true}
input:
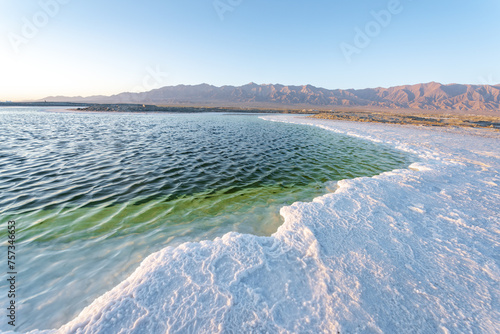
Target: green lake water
{"points": [[94, 193]]}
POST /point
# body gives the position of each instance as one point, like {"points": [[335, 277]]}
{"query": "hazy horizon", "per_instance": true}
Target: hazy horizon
{"points": [[259, 84]]}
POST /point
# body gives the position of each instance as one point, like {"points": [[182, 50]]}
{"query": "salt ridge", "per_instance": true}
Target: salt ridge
{"points": [[413, 250]]}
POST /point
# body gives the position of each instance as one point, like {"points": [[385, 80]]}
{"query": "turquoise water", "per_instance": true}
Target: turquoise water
{"points": [[95, 193]]}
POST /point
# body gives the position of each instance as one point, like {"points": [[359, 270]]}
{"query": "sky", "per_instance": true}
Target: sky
{"points": [[90, 47]]}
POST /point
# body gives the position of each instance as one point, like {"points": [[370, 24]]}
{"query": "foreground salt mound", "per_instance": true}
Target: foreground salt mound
{"points": [[408, 251]]}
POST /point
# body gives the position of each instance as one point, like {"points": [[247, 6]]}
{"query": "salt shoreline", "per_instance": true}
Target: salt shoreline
{"points": [[412, 250]]}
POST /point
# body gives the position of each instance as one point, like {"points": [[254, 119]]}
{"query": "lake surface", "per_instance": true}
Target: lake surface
{"points": [[94, 193]]}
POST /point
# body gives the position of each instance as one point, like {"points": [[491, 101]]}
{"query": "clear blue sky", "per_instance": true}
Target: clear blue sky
{"points": [[87, 47]]}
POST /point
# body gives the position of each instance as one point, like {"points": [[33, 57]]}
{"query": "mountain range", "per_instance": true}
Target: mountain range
{"points": [[430, 96]]}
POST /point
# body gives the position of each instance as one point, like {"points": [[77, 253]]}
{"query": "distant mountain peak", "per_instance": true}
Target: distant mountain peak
{"points": [[431, 95]]}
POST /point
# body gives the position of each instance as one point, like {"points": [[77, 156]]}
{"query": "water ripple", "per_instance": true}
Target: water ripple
{"points": [[93, 194]]}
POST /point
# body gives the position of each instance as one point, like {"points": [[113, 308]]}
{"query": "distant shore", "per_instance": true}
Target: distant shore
{"points": [[180, 109], [129, 107], [427, 119], [446, 118]]}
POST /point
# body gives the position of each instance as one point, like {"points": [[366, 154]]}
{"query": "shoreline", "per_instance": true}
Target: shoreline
{"points": [[428, 120], [408, 250]]}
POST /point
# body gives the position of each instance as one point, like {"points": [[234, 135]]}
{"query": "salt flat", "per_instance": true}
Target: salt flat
{"points": [[409, 251]]}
